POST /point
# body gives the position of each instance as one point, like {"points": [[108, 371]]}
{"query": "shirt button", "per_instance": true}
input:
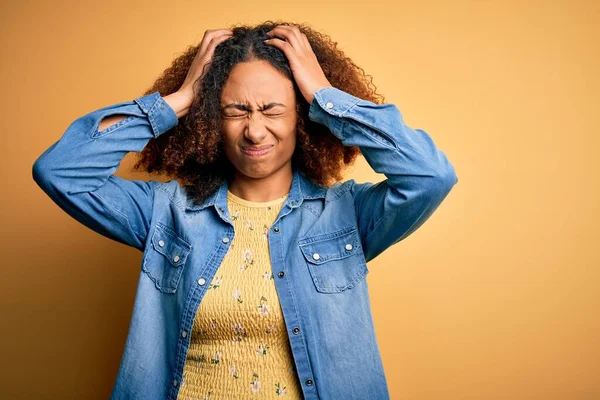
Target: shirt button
{"points": [[201, 281], [329, 105], [348, 246], [175, 382], [161, 243], [316, 256], [184, 334], [225, 239], [281, 274], [309, 382], [176, 258], [296, 331], [276, 229]]}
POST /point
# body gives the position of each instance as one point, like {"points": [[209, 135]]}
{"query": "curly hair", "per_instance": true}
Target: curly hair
{"points": [[192, 151]]}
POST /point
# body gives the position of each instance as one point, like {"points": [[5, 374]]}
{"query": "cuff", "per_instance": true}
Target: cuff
{"points": [[330, 103], [160, 114]]}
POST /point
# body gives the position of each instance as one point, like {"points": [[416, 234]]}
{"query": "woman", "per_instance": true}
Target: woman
{"points": [[253, 279]]}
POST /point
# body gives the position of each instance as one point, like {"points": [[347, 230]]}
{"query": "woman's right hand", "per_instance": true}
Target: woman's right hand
{"points": [[210, 40]]}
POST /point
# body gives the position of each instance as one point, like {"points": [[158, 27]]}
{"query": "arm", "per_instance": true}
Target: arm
{"points": [[76, 172], [178, 102], [418, 175]]}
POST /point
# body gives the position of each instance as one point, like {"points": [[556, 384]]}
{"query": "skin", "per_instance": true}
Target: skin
{"points": [[258, 108], [254, 86]]}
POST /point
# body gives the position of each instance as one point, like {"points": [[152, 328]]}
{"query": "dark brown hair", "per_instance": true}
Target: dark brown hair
{"points": [[192, 151]]}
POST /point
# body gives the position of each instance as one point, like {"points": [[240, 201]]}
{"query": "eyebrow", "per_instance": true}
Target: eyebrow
{"points": [[245, 107]]}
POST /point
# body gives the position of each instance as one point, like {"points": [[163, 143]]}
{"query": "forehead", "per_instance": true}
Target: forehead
{"points": [[257, 81]]}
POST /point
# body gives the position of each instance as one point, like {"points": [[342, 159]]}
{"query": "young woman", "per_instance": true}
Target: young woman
{"points": [[253, 279]]}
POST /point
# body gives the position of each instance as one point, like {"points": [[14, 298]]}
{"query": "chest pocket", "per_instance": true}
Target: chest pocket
{"points": [[165, 258], [335, 260]]}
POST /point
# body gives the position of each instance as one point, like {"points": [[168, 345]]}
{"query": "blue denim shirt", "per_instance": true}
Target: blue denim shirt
{"points": [[319, 244]]}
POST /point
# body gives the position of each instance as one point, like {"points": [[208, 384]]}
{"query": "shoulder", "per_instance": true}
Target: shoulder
{"points": [[173, 191], [339, 189]]}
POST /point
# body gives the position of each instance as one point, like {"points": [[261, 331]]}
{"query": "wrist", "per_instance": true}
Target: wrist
{"points": [[180, 102]]}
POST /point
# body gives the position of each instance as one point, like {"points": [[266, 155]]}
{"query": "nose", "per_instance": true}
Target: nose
{"points": [[255, 130]]}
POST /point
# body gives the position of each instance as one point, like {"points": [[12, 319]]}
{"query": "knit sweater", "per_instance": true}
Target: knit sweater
{"points": [[239, 347]]}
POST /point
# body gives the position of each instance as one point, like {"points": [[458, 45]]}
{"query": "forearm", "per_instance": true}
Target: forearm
{"points": [[418, 174], [86, 155], [179, 101], [77, 171], [407, 156]]}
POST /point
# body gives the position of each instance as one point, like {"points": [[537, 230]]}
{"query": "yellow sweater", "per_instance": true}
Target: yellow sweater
{"points": [[239, 347]]}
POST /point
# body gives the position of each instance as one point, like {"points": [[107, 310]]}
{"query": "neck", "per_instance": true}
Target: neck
{"points": [[264, 189]]}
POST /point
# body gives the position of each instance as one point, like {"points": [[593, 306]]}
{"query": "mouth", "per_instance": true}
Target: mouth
{"points": [[256, 151]]}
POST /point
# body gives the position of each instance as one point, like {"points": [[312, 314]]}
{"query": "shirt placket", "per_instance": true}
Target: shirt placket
{"points": [[192, 304], [289, 305]]}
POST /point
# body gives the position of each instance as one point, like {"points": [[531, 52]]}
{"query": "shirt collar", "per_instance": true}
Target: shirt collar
{"points": [[302, 188]]}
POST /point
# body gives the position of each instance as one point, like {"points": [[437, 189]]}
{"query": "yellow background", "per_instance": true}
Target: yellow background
{"points": [[495, 297]]}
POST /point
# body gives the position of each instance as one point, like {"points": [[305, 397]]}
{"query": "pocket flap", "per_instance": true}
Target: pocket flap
{"points": [[169, 244], [330, 246]]}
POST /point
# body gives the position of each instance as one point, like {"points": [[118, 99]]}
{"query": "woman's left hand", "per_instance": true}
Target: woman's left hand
{"points": [[305, 67]]}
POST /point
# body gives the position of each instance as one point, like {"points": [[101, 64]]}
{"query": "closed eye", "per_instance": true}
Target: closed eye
{"points": [[246, 108], [246, 114]]}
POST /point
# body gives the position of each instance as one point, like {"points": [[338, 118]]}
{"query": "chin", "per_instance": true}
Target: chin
{"points": [[257, 172]]}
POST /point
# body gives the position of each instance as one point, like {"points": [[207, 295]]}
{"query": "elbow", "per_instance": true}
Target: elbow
{"points": [[43, 174], [42, 166], [39, 173], [445, 180], [37, 170], [450, 177]]}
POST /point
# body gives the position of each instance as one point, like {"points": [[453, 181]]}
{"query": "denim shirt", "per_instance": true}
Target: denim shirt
{"points": [[319, 244]]}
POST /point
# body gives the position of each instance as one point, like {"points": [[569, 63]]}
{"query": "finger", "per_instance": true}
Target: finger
{"points": [[210, 46], [210, 50], [301, 39], [279, 43], [282, 45], [298, 34], [217, 41], [209, 35], [206, 57], [306, 41], [288, 33]]}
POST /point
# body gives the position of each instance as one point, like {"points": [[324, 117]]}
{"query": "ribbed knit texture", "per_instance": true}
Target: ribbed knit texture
{"points": [[239, 345]]}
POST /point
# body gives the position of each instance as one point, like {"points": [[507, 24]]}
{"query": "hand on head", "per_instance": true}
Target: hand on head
{"points": [[211, 39]]}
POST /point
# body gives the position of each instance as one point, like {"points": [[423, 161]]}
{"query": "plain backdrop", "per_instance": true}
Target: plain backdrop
{"points": [[494, 297]]}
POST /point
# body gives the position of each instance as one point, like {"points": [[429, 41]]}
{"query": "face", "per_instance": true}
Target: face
{"points": [[258, 119]]}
